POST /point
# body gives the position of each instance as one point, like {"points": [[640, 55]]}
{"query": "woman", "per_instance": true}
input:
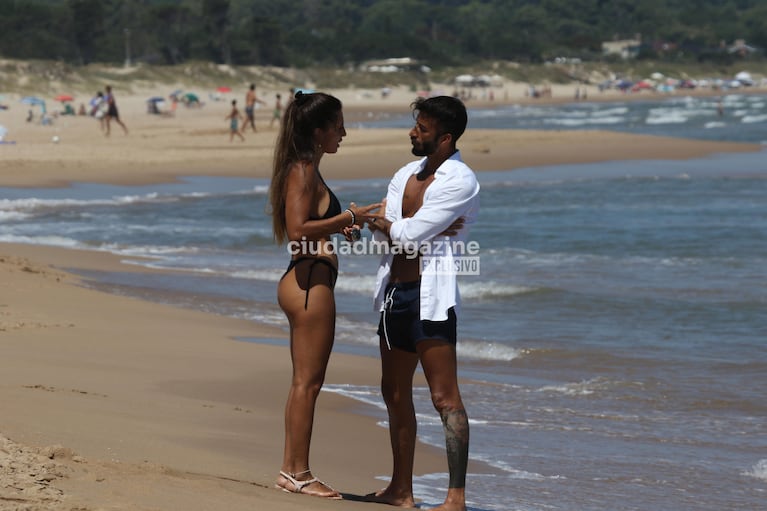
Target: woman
{"points": [[306, 213]]}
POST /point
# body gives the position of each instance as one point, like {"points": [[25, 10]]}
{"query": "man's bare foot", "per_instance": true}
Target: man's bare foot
{"points": [[455, 501], [449, 507], [387, 496]]}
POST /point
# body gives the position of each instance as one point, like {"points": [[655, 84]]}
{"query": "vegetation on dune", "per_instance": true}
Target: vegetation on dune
{"points": [[50, 45], [303, 33]]}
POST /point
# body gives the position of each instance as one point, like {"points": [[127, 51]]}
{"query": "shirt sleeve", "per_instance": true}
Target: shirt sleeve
{"points": [[441, 207]]}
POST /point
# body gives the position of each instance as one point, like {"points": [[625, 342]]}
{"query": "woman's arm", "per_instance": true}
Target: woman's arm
{"points": [[301, 200]]}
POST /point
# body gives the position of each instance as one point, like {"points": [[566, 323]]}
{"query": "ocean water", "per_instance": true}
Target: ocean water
{"points": [[743, 118], [614, 342]]}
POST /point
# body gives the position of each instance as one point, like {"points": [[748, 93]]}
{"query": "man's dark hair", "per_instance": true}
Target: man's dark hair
{"points": [[449, 112]]}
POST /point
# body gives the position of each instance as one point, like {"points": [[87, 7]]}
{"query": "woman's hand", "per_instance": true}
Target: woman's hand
{"points": [[360, 216], [377, 220], [352, 233], [363, 214]]}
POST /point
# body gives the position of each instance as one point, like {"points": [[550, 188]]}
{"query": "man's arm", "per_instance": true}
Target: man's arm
{"points": [[440, 209]]}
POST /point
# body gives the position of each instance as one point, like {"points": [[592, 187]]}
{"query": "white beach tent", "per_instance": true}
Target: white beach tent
{"points": [[744, 77], [466, 80]]}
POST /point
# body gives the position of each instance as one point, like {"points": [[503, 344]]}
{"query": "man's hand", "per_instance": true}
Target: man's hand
{"points": [[453, 228]]}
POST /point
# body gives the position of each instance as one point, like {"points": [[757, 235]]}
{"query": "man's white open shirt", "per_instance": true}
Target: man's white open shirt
{"points": [[453, 194]]}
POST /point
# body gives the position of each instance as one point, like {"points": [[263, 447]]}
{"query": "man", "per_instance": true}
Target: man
{"points": [[250, 106], [112, 113], [430, 205]]}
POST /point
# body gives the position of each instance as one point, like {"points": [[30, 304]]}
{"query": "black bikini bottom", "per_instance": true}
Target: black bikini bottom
{"points": [[315, 260]]}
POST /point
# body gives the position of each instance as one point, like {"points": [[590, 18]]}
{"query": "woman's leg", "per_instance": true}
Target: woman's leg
{"points": [[312, 331]]}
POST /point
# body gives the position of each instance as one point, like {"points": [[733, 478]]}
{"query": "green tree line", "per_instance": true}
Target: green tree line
{"points": [[344, 32]]}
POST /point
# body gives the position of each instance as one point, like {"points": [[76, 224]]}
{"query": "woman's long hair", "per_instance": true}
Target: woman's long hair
{"points": [[295, 143]]}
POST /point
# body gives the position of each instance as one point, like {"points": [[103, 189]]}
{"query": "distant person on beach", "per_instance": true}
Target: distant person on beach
{"points": [[112, 113], [277, 112], [98, 109], [250, 108], [95, 103], [430, 205], [234, 120], [306, 213]]}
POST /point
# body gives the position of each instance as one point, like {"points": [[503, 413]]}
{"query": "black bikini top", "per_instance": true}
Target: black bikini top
{"points": [[334, 207]]}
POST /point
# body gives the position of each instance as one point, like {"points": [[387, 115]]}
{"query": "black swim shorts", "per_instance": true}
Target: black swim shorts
{"points": [[401, 325]]}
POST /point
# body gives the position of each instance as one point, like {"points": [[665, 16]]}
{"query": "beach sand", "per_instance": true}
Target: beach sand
{"points": [[195, 141], [113, 403]]}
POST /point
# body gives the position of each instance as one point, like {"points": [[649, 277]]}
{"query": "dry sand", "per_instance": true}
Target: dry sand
{"points": [[155, 407], [112, 403], [196, 142]]}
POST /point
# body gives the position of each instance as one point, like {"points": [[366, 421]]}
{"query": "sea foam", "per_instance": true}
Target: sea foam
{"points": [[490, 351], [753, 119], [759, 471]]}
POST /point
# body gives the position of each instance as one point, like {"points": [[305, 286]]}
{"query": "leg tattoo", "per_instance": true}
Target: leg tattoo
{"points": [[456, 425]]}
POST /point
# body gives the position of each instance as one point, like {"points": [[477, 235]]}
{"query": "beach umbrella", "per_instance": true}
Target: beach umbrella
{"points": [[190, 96], [641, 85], [64, 97], [155, 99], [224, 88], [32, 100]]}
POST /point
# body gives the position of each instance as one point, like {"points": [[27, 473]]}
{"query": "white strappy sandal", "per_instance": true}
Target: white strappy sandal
{"points": [[298, 486]]}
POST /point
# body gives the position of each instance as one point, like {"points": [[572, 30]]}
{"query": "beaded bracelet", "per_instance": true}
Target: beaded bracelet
{"points": [[354, 217]]}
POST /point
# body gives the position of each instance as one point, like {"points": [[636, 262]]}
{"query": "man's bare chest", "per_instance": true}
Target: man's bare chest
{"points": [[412, 199]]}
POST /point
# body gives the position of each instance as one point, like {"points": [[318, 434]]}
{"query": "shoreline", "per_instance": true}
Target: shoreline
{"points": [[364, 153]]}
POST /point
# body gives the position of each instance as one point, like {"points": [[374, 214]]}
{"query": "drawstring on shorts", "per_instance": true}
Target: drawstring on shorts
{"points": [[387, 305]]}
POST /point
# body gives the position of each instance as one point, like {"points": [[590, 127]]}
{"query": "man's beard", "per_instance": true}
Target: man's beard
{"points": [[426, 148]]}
